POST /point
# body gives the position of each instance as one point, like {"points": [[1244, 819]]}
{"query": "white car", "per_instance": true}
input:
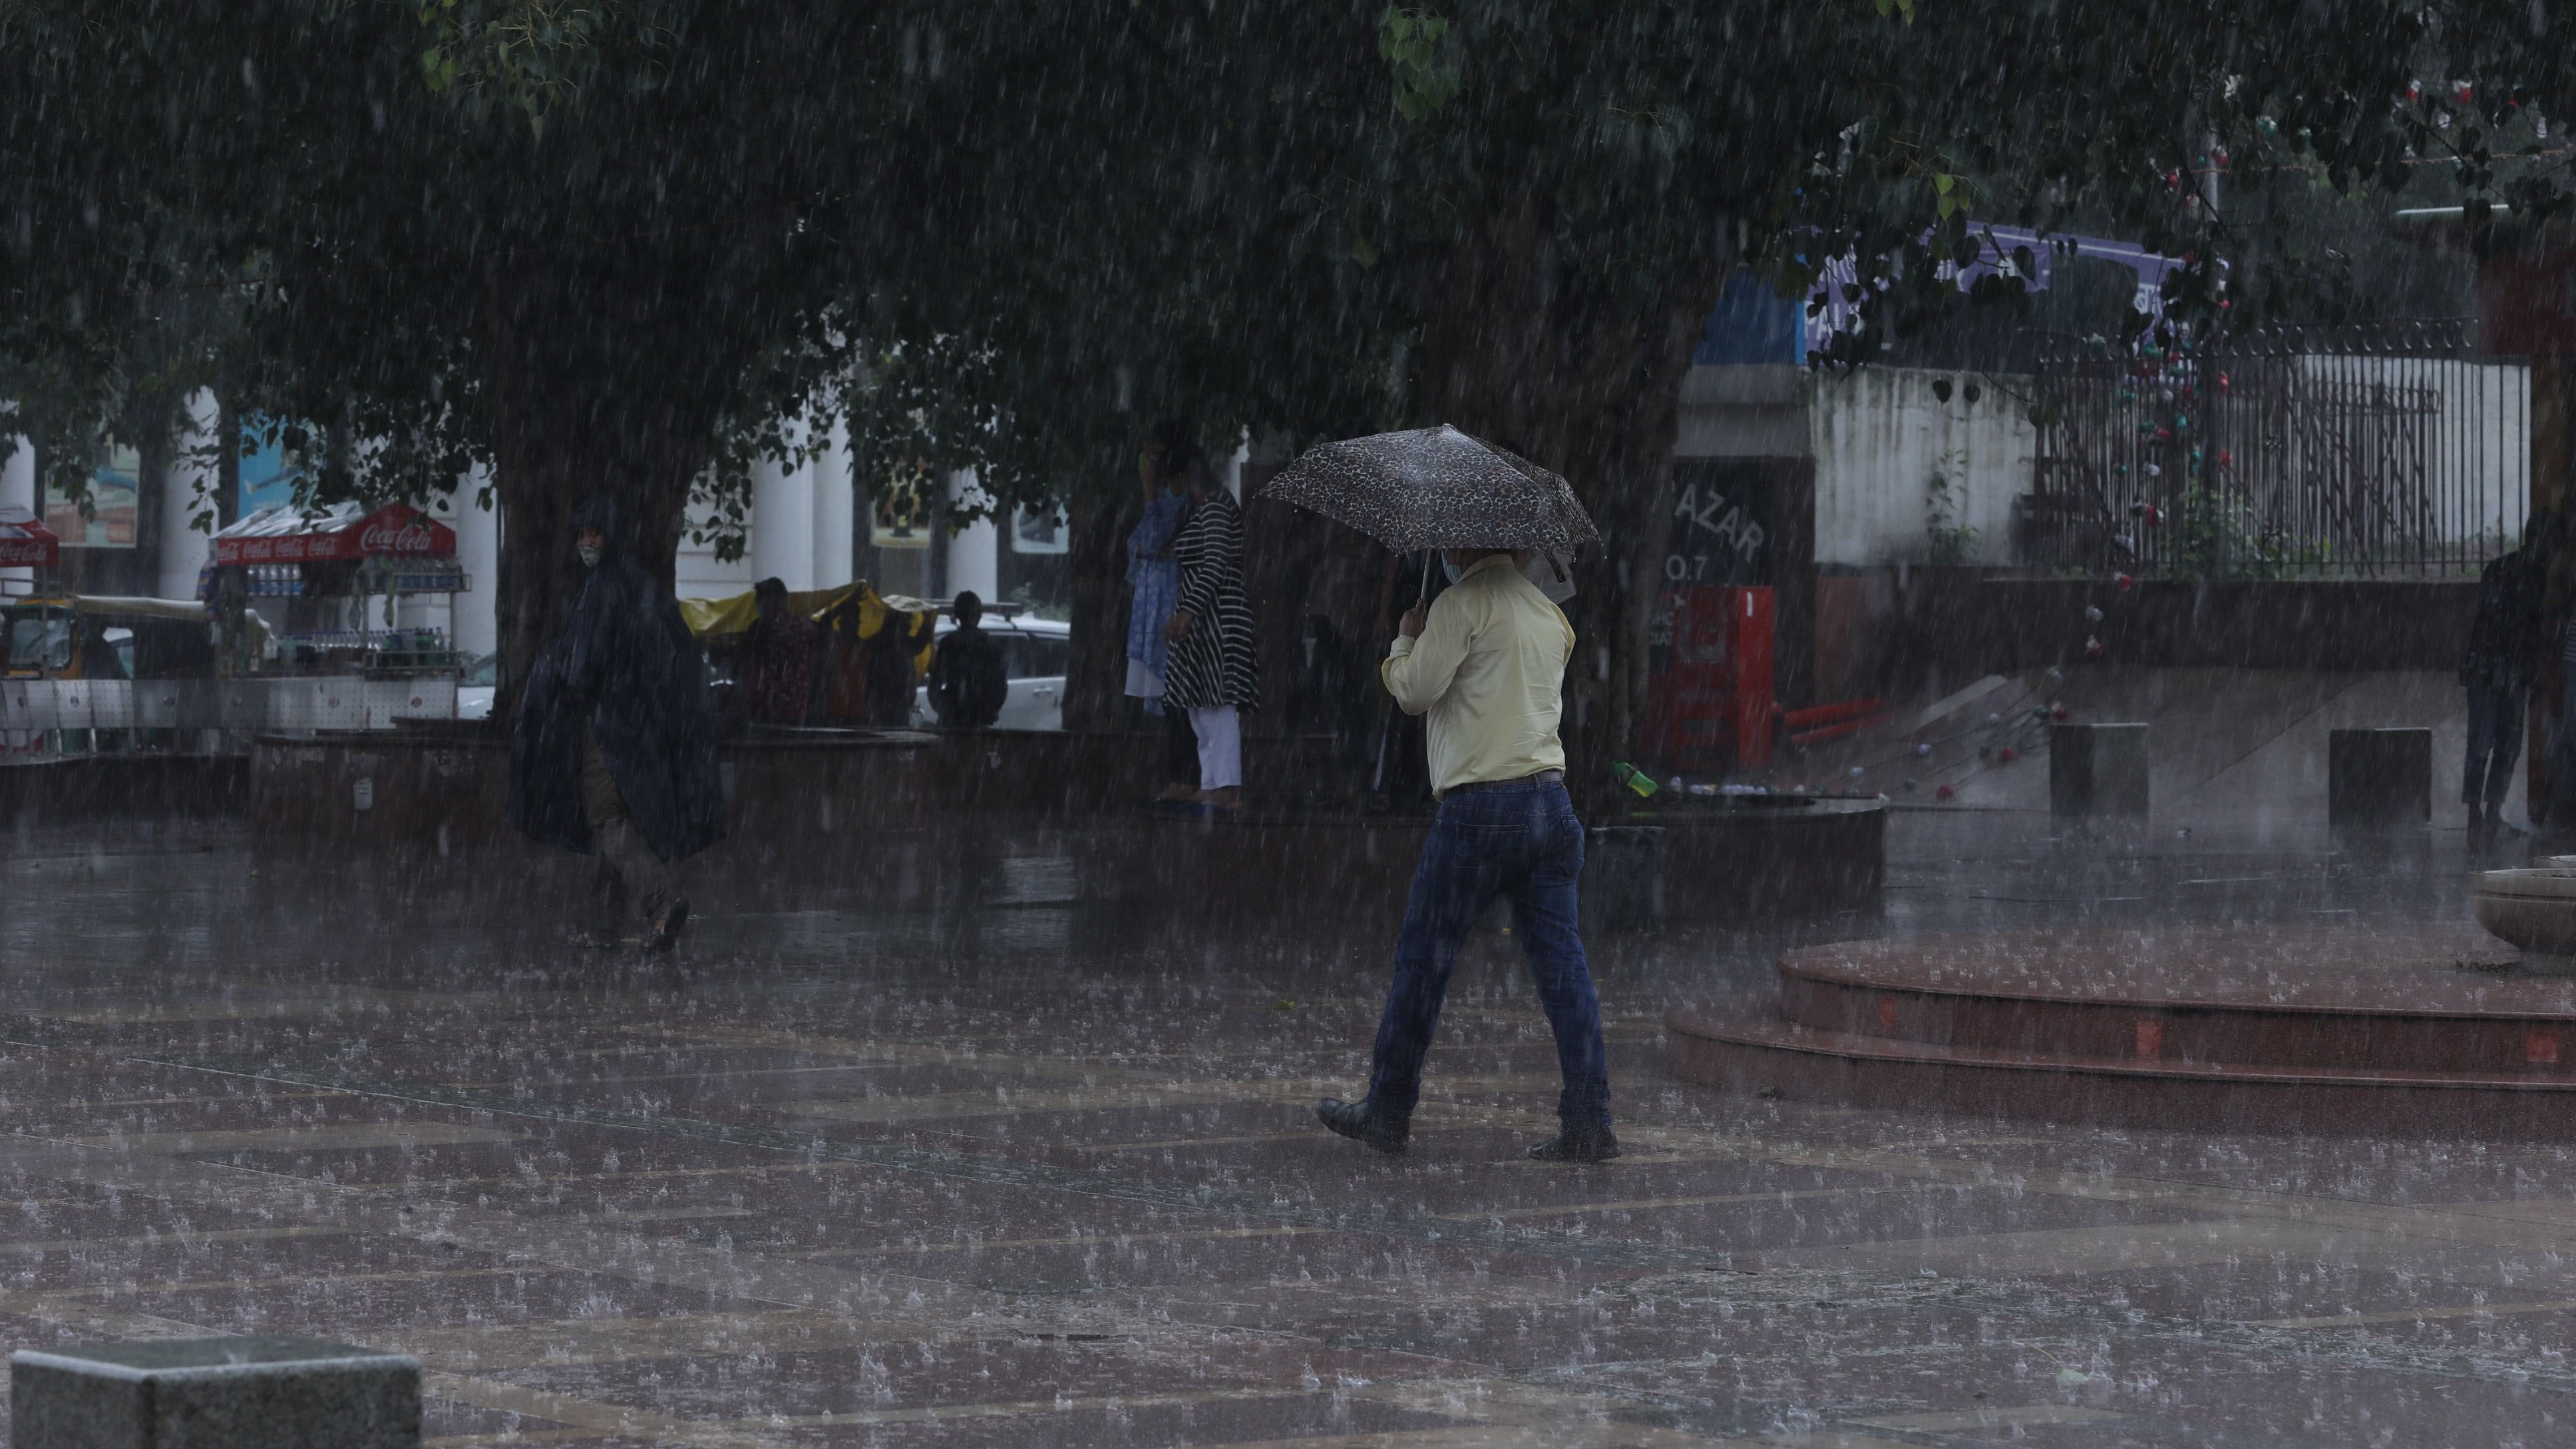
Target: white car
{"points": [[1034, 651], [475, 687]]}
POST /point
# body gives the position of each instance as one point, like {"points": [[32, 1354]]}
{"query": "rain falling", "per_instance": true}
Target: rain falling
{"points": [[1366, 726]]}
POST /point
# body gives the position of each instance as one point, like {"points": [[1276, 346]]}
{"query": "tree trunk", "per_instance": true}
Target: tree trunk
{"points": [[1096, 556], [1582, 374], [568, 423]]}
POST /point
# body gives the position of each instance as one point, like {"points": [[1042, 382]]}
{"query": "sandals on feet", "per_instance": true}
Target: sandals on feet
{"points": [[666, 932]]}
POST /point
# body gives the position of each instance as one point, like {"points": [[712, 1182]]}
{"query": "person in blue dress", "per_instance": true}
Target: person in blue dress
{"points": [[1154, 576]]}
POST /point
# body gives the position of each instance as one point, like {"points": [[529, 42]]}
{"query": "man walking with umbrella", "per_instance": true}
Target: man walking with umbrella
{"points": [[1485, 665]]}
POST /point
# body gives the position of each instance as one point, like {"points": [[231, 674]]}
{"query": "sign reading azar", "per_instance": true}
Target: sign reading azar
{"points": [[1720, 532]]}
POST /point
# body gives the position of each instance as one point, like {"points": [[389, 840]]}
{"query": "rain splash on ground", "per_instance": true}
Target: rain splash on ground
{"points": [[1027, 1175]]}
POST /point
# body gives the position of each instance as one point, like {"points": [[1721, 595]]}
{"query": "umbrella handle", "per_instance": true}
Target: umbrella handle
{"points": [[1386, 733]]}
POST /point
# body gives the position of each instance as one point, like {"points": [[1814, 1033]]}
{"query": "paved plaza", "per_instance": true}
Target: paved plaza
{"points": [[1030, 1176]]}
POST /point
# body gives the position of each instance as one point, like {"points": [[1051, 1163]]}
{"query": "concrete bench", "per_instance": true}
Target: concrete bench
{"points": [[2097, 769], [214, 1393], [2379, 779]]}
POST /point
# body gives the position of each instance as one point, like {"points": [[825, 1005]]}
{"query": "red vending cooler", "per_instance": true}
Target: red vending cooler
{"points": [[1709, 708]]}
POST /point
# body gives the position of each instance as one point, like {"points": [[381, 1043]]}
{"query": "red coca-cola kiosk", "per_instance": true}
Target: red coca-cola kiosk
{"points": [[1709, 706], [327, 584]]}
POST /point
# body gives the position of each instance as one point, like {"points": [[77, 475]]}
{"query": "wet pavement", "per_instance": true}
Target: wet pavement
{"points": [[1024, 1174]]}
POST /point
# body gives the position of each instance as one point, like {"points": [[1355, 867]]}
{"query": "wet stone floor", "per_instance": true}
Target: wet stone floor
{"points": [[1022, 1175]]}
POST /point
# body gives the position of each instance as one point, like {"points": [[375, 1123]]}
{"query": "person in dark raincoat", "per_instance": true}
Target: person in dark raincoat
{"points": [[614, 752], [2507, 638]]}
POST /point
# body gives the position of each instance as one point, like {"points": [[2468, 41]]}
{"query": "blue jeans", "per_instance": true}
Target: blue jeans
{"points": [[2495, 733], [1523, 843]]}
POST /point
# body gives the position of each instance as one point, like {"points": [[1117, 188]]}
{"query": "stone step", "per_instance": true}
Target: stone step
{"points": [[1773, 1058], [2391, 1000]]}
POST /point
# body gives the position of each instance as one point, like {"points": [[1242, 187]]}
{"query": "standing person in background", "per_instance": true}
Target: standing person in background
{"points": [[967, 682], [1154, 579], [1213, 672], [892, 668], [1338, 696], [1485, 664], [2504, 650], [614, 751], [845, 668], [778, 658]]}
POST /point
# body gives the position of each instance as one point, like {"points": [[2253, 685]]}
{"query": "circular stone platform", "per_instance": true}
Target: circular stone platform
{"points": [[2408, 1030]]}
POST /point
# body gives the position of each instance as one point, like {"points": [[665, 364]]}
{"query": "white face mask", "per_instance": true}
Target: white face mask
{"points": [[1553, 578], [590, 554], [1451, 569]]}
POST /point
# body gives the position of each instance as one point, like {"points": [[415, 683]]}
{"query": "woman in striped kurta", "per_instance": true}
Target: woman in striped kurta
{"points": [[1211, 671]]}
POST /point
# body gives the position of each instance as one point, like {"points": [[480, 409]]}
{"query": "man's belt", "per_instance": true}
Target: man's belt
{"points": [[1525, 782]]}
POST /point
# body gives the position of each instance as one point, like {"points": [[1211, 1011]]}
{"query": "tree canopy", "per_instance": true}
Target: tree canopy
{"points": [[614, 246]]}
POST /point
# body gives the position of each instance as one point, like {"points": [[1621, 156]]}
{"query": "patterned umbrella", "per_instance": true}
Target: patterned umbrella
{"points": [[1437, 488]]}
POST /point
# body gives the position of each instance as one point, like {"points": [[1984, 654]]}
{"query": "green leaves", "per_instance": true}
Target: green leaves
{"points": [[1410, 42], [1896, 7], [534, 56]]}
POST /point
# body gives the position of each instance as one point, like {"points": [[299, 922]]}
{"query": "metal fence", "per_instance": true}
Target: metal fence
{"points": [[33, 711], [2387, 450]]}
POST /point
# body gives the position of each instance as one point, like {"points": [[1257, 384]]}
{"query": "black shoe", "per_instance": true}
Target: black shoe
{"points": [[666, 931], [1356, 1121], [1585, 1144]]}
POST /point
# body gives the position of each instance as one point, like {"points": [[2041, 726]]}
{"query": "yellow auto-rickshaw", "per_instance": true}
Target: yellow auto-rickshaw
{"points": [[99, 637]]}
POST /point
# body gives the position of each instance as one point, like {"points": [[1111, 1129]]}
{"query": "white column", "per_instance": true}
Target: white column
{"points": [[190, 487], [835, 510], [782, 521], [475, 626], [974, 552], [18, 490]]}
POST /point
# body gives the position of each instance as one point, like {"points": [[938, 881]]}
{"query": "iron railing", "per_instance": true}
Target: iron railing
{"points": [[2388, 450]]}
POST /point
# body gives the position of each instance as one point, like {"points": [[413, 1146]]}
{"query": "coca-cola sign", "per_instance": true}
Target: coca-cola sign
{"points": [[408, 537], [25, 543], [396, 531]]}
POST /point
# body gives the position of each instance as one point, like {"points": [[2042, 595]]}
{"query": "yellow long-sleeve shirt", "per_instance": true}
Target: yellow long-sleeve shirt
{"points": [[1489, 671]]}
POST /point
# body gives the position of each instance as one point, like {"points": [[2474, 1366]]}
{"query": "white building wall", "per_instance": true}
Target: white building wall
{"points": [[1879, 435], [476, 625], [974, 552], [798, 529], [17, 490], [835, 510], [698, 573], [782, 521], [190, 487], [1232, 473]]}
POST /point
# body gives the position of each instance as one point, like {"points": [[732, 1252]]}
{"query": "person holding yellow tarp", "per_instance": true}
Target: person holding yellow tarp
{"points": [[777, 674], [876, 646]]}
